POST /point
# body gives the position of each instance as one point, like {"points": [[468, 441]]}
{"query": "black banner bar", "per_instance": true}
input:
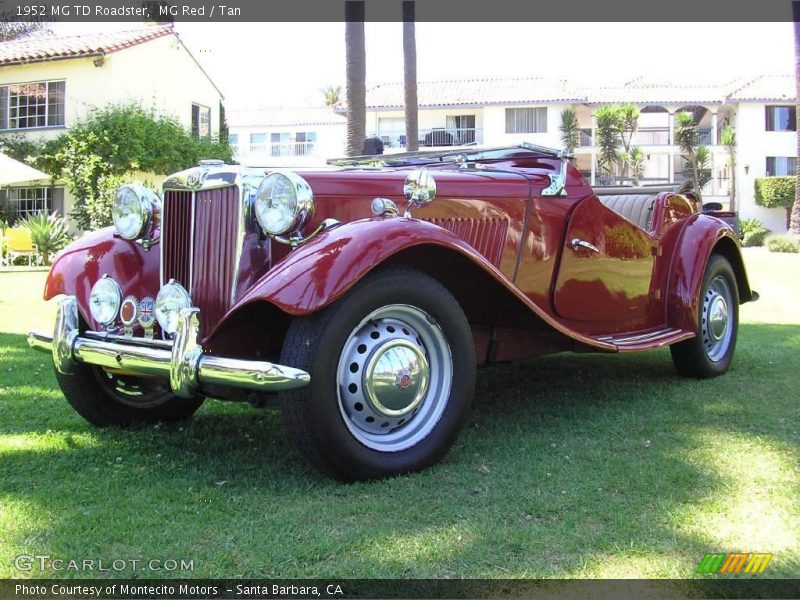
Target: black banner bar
{"points": [[391, 10], [195, 589]]}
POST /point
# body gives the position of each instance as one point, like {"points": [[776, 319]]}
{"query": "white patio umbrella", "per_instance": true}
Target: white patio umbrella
{"points": [[12, 171]]}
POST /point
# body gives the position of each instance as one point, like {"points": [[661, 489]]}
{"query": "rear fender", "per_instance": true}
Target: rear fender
{"points": [[702, 236], [319, 272], [87, 259]]}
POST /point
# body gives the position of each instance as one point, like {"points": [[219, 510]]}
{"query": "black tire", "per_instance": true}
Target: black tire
{"points": [[704, 356], [106, 400], [326, 434]]}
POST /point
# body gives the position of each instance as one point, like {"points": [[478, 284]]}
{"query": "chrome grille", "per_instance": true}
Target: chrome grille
{"points": [[200, 247], [176, 237]]}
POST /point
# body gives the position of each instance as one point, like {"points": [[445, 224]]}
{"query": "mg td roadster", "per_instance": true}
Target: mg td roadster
{"points": [[360, 298]]}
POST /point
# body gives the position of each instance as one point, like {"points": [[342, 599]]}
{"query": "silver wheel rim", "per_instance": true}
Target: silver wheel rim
{"points": [[716, 327], [394, 378], [134, 392]]}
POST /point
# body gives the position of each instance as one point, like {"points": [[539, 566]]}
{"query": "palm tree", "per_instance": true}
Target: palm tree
{"points": [[635, 162], [629, 123], [332, 93], [356, 67], [569, 130], [728, 139], [794, 221], [410, 75], [607, 131], [686, 138]]}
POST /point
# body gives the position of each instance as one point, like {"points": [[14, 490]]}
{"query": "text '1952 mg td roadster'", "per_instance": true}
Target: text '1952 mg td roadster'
{"points": [[360, 297]]}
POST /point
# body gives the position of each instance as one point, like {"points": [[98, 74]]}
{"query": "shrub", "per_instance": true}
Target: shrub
{"points": [[754, 238], [776, 192], [48, 232], [782, 243], [752, 232], [113, 143]]}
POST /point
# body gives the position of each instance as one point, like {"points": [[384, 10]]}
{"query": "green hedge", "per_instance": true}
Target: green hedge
{"points": [[782, 243], [775, 192]]}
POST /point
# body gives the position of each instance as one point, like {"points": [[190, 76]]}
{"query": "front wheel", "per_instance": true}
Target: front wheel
{"points": [[392, 368], [104, 398], [710, 352]]}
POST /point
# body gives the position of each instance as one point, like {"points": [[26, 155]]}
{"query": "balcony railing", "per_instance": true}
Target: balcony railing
{"points": [[648, 136], [283, 149], [651, 136], [437, 136]]}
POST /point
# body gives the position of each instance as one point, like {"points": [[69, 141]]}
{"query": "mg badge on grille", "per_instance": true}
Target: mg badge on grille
{"points": [[147, 315], [193, 177]]}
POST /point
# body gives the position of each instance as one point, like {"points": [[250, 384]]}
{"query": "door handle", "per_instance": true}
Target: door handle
{"points": [[578, 244]]}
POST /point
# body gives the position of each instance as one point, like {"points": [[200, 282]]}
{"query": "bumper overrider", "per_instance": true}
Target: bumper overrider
{"points": [[181, 360]]}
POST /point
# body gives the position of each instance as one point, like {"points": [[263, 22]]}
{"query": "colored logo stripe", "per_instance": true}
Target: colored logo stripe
{"points": [[732, 564], [711, 563]]}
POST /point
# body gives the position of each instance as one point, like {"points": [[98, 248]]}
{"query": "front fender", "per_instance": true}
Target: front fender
{"points": [[701, 236], [322, 270], [100, 252]]}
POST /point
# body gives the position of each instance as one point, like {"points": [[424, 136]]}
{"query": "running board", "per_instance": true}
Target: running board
{"points": [[630, 342]]}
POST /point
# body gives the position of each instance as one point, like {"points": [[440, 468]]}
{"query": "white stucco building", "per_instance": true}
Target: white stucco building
{"points": [[286, 137], [504, 111], [49, 82]]}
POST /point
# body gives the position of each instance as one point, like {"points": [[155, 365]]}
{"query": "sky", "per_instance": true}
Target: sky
{"points": [[285, 64]]}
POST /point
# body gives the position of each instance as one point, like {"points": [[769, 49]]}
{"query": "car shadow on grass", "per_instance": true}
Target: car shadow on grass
{"points": [[568, 461]]}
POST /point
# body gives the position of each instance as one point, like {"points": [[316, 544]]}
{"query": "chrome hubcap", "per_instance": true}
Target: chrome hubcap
{"points": [[394, 378], [718, 318], [716, 329]]}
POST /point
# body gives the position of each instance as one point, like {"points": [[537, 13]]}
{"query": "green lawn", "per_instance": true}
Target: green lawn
{"points": [[572, 466]]}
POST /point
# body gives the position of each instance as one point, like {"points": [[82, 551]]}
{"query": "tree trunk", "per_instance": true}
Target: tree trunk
{"points": [[794, 222], [410, 75], [356, 66]]}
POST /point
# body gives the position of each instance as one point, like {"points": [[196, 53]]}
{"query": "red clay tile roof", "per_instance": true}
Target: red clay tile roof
{"points": [[526, 90], [767, 88], [475, 91], [280, 116], [41, 48]]}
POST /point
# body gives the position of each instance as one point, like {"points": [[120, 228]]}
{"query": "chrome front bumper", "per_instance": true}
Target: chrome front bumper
{"points": [[182, 360]]}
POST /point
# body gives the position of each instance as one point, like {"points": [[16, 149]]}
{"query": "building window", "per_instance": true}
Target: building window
{"points": [[526, 120], [201, 121], [279, 144], [233, 142], [29, 105], [462, 128], [781, 166], [781, 118], [304, 142], [27, 201]]}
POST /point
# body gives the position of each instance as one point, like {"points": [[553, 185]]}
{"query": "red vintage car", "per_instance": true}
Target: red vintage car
{"points": [[360, 305]]}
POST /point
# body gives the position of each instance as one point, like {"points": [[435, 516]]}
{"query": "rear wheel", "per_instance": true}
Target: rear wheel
{"points": [[710, 352], [104, 398], [392, 368]]}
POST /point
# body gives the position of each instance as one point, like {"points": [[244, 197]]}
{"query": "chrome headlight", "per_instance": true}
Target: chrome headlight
{"points": [[171, 299], [104, 300], [284, 203], [134, 211]]}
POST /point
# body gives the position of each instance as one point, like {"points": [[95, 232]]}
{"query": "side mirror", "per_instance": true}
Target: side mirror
{"points": [[419, 189]]}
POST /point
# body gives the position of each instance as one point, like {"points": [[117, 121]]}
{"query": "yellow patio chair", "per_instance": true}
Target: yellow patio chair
{"points": [[19, 243]]}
